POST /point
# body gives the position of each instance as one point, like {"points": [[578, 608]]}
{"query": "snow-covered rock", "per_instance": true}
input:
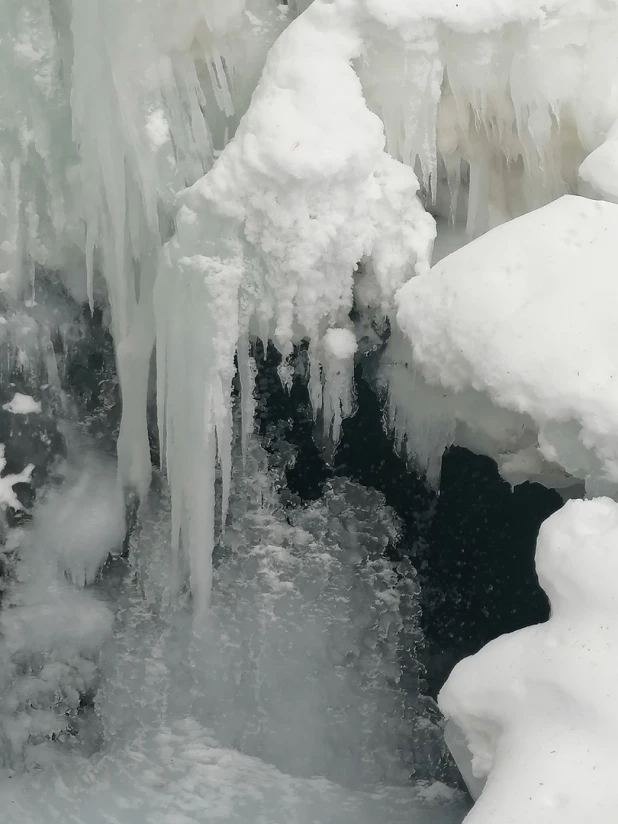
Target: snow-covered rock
{"points": [[538, 707], [513, 344]]}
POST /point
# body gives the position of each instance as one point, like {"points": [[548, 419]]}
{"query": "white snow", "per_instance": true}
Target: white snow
{"points": [[538, 707], [23, 405], [8, 496], [111, 117], [496, 104], [521, 320]]}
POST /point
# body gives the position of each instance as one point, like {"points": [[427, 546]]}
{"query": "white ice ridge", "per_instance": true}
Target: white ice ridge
{"points": [[538, 706], [512, 342]]}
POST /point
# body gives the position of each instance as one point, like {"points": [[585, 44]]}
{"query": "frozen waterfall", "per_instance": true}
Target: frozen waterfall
{"points": [[421, 191]]}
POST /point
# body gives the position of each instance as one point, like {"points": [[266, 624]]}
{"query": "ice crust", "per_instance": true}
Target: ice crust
{"points": [[23, 405]]}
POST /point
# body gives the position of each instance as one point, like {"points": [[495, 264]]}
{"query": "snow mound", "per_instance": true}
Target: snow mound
{"points": [[538, 707], [267, 245], [514, 339]]}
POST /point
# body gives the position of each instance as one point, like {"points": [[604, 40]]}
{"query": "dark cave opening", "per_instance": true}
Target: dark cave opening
{"points": [[472, 541]]}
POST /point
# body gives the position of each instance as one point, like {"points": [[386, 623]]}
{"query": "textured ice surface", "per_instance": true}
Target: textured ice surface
{"points": [[538, 707], [495, 103], [311, 636]]}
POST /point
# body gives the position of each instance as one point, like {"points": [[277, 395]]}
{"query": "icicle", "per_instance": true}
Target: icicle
{"points": [[338, 347], [196, 310], [247, 372]]}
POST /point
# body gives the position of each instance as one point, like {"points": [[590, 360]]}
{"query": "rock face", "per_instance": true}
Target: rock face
{"points": [[538, 707]]}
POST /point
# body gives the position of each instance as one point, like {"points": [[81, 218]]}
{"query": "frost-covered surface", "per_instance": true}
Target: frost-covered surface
{"points": [[495, 104], [267, 245], [311, 636], [538, 707], [121, 130], [511, 346], [50, 636]]}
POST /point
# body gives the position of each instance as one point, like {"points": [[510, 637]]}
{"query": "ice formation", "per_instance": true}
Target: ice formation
{"points": [[538, 706], [50, 636], [144, 167], [180, 774], [304, 674]]}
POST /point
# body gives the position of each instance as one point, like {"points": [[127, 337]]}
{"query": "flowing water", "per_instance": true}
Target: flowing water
{"points": [[295, 701]]}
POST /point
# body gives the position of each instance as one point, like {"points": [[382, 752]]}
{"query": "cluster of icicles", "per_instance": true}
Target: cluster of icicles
{"points": [[204, 229]]}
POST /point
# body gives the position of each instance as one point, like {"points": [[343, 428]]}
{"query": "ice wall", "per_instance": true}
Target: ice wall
{"points": [[502, 99]]}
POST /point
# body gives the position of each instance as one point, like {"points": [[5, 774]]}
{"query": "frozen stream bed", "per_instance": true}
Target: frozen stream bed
{"points": [[295, 701]]}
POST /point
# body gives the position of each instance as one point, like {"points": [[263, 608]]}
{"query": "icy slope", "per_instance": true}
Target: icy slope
{"points": [[512, 342], [538, 707]]}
